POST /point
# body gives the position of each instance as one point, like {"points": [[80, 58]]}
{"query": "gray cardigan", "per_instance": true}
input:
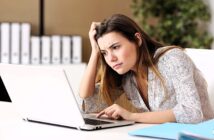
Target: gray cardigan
{"points": [[185, 92]]}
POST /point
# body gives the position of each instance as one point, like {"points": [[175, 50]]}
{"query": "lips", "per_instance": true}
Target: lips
{"points": [[117, 66]]}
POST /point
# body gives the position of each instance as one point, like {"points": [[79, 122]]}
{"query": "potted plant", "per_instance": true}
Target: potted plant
{"points": [[177, 22]]}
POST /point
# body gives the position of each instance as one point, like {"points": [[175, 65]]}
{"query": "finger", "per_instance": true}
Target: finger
{"points": [[104, 112], [115, 115], [94, 25], [100, 114], [92, 33], [109, 111]]}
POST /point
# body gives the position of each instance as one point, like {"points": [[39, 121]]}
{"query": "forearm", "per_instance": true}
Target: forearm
{"points": [[153, 117], [87, 84]]}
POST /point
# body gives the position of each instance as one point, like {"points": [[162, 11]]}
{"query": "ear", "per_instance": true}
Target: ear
{"points": [[139, 38]]}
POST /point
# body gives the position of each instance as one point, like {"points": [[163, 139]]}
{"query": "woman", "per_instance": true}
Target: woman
{"points": [[139, 79]]}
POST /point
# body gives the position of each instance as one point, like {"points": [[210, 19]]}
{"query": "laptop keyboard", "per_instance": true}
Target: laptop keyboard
{"points": [[95, 122]]}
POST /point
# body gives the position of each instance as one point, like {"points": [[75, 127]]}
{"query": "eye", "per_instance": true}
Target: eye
{"points": [[103, 53], [115, 47]]}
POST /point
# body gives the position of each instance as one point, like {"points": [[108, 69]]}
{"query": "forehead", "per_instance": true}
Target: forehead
{"points": [[108, 39]]}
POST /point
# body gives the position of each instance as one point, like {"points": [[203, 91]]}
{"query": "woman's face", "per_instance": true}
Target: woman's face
{"points": [[119, 53]]}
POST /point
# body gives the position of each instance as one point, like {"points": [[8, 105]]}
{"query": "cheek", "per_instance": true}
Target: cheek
{"points": [[127, 54], [130, 54]]}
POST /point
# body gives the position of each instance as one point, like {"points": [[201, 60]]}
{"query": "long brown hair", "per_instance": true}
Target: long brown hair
{"points": [[107, 77]]}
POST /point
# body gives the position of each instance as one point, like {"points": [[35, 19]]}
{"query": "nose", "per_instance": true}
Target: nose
{"points": [[112, 57]]}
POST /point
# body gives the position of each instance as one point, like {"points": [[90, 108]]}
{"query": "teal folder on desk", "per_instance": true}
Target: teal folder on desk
{"points": [[173, 130]]}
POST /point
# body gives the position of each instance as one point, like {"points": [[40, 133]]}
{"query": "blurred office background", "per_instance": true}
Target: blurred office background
{"points": [[63, 17], [70, 17]]}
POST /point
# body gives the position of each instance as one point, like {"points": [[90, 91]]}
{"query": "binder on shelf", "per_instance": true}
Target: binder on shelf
{"points": [[5, 43], [45, 47], [15, 43], [35, 50], [66, 50], [25, 43], [76, 49], [56, 49]]}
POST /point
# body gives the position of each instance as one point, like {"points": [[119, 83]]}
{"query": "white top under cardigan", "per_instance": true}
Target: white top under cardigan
{"points": [[186, 90]]}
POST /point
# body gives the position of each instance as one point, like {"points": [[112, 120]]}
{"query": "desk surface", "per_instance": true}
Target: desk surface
{"points": [[13, 128]]}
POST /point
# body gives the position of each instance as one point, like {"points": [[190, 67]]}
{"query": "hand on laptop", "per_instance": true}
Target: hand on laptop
{"points": [[115, 112]]}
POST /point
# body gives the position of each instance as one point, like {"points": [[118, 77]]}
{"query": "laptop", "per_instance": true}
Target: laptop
{"points": [[45, 95]]}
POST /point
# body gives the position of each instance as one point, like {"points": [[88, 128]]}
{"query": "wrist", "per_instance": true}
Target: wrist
{"points": [[95, 54], [133, 117], [94, 57]]}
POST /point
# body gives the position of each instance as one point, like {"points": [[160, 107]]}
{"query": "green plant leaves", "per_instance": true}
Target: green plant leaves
{"points": [[180, 22]]}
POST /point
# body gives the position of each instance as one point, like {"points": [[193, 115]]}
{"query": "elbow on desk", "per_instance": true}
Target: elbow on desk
{"points": [[191, 116]]}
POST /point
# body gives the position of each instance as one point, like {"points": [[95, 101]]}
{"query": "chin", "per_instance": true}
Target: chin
{"points": [[121, 72]]}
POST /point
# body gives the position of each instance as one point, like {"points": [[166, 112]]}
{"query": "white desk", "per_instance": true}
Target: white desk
{"points": [[13, 128]]}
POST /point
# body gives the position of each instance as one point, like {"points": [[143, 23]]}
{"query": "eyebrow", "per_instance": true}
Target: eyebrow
{"points": [[112, 45]]}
